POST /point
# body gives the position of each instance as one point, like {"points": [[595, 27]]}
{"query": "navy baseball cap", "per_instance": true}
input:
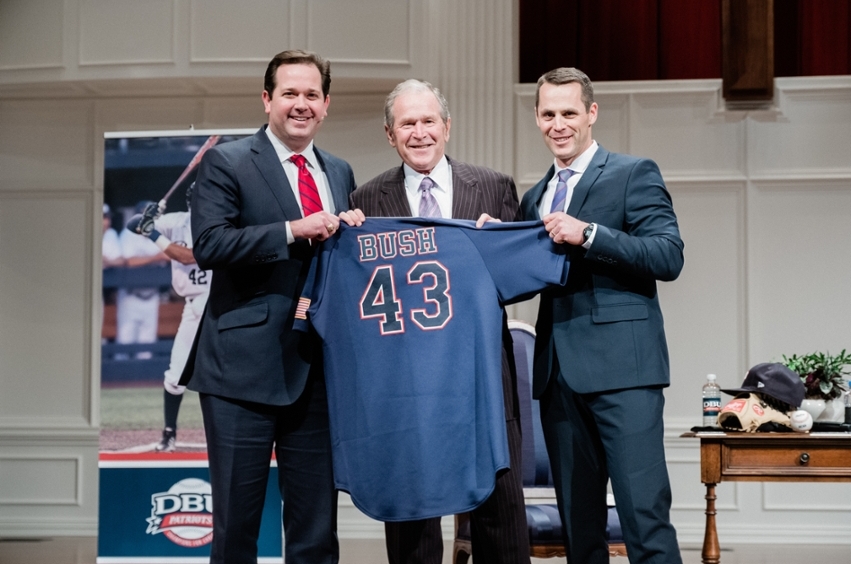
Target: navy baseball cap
{"points": [[774, 380]]}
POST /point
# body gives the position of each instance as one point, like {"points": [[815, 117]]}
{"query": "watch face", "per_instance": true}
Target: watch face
{"points": [[587, 232]]}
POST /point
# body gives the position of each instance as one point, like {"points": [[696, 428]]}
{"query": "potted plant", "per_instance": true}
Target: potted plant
{"points": [[824, 377]]}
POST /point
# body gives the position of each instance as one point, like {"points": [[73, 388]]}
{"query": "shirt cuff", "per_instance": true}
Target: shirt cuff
{"points": [[290, 237]]}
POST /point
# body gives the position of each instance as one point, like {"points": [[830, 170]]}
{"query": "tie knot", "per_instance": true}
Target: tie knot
{"points": [[426, 185], [563, 175], [298, 160]]}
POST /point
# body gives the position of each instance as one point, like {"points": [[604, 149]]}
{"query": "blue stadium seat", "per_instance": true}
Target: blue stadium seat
{"points": [[545, 531]]}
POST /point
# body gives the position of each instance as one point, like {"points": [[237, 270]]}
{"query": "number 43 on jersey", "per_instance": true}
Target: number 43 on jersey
{"points": [[380, 300]]}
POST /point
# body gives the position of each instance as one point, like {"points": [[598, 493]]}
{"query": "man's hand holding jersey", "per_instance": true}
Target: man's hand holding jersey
{"points": [[322, 225]]}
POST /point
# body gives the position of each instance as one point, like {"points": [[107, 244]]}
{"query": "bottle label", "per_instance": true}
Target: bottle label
{"points": [[711, 406]]}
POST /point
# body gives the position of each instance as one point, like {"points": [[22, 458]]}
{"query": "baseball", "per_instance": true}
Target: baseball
{"points": [[801, 421]]}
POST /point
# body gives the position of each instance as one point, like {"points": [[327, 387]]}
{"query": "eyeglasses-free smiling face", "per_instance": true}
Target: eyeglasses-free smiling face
{"points": [[418, 133], [563, 120], [297, 106]]}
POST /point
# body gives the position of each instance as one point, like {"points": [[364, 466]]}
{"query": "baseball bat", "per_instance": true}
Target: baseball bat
{"points": [[189, 168]]}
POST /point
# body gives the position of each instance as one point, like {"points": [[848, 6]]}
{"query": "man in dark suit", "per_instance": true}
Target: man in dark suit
{"points": [[601, 359], [429, 184], [259, 204]]}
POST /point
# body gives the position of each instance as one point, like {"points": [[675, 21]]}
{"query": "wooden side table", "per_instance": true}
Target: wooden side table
{"points": [[766, 457]]}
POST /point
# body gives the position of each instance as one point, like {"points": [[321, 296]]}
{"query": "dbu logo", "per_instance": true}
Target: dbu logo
{"points": [[183, 514]]}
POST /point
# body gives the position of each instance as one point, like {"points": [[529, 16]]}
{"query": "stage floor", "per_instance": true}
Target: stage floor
{"points": [[83, 550]]}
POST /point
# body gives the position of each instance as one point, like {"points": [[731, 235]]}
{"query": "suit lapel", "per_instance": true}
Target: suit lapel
{"points": [[535, 194], [466, 192], [393, 202], [589, 177], [337, 181], [266, 160]]}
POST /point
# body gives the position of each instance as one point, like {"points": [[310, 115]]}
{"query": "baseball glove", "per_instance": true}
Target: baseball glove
{"points": [[750, 413]]}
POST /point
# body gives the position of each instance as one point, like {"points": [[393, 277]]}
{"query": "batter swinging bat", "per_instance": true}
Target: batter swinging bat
{"points": [[189, 168]]}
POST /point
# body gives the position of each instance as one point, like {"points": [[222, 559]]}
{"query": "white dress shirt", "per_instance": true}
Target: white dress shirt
{"points": [[441, 174], [291, 170], [578, 166]]}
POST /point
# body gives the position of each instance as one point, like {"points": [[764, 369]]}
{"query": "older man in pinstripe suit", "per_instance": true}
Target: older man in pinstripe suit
{"points": [[429, 184]]}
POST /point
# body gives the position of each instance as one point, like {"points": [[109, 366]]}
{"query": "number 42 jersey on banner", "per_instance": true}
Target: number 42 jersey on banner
{"points": [[410, 312]]}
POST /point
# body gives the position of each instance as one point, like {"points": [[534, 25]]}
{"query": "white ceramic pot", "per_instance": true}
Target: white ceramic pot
{"points": [[834, 410], [815, 407]]}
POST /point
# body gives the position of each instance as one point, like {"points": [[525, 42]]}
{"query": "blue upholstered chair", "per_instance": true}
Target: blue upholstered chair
{"points": [[545, 532]]}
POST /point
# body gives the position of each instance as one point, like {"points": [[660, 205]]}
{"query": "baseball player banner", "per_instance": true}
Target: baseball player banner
{"points": [[154, 293], [154, 484]]}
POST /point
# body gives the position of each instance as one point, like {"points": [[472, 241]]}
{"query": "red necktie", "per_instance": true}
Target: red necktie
{"points": [[310, 202]]}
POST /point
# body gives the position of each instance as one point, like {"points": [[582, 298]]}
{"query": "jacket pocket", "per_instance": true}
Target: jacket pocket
{"points": [[620, 312], [244, 317]]}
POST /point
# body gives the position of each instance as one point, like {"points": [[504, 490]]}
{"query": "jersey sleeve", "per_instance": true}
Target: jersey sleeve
{"points": [[309, 302], [521, 258], [167, 223]]}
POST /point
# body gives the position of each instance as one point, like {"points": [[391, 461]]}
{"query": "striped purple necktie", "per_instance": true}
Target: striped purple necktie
{"points": [[561, 190], [428, 204]]}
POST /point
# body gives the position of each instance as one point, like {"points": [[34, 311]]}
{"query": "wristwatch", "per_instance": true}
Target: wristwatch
{"points": [[586, 233]]}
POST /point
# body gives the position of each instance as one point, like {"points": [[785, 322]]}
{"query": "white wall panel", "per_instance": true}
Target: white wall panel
{"points": [[61, 42], [110, 32], [45, 309], [704, 308], [799, 283], [531, 157], [149, 114], [234, 111], [829, 498], [807, 134], [47, 484], [219, 32], [43, 480], [378, 31], [684, 136], [31, 34], [612, 128], [47, 144]]}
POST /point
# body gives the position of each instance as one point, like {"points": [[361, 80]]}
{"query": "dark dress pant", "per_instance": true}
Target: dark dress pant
{"points": [[615, 435], [240, 438], [498, 526]]}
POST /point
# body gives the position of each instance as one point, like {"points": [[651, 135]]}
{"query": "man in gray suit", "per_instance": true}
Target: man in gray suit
{"points": [[430, 184], [601, 360], [258, 205]]}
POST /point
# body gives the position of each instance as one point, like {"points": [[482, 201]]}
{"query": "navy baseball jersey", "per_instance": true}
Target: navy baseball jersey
{"points": [[410, 313]]}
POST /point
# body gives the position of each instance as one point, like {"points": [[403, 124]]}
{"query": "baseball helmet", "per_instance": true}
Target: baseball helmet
{"points": [[140, 207]]}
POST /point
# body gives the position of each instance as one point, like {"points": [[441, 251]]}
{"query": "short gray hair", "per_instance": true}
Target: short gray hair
{"points": [[412, 84], [566, 75]]}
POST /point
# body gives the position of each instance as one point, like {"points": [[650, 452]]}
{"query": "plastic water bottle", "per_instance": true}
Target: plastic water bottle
{"points": [[848, 404], [711, 401]]}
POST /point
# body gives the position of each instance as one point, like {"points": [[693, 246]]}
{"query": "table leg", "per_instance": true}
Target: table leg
{"points": [[711, 549]]}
